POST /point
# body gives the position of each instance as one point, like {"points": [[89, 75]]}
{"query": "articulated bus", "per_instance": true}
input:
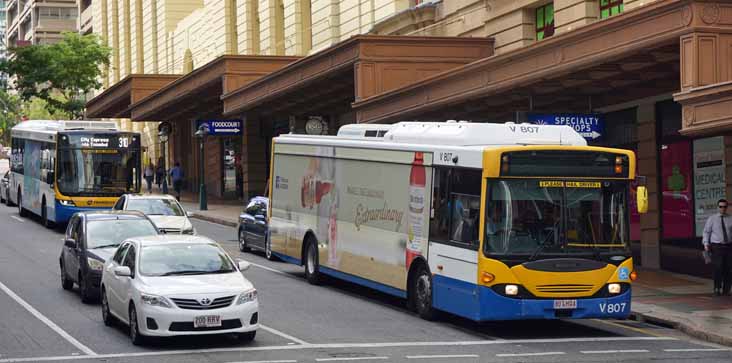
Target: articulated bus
{"points": [[484, 221], [62, 167]]}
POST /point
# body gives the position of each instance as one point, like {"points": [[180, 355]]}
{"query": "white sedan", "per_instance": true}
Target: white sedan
{"points": [[171, 285]]}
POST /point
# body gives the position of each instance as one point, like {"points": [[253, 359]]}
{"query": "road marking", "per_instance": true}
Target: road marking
{"points": [[698, 350], [638, 330], [614, 351], [286, 336], [337, 346], [46, 321], [347, 358], [269, 269], [442, 356], [267, 361], [21, 220], [528, 354]]}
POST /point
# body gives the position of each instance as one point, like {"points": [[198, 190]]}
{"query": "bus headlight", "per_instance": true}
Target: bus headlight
{"points": [[613, 288], [511, 290], [68, 203]]}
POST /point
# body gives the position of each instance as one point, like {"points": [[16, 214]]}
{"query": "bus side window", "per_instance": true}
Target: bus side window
{"points": [[440, 215], [465, 207]]}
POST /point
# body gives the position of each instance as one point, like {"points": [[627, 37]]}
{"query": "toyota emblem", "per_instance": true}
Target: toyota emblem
{"points": [[205, 301]]}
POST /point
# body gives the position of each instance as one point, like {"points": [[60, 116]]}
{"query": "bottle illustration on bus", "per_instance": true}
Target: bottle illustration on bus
{"points": [[415, 222]]}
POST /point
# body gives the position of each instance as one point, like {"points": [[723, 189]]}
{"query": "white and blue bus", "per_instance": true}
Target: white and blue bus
{"points": [[62, 167]]}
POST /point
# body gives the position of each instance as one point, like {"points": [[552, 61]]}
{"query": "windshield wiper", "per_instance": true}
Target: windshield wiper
{"points": [[186, 272], [106, 246]]}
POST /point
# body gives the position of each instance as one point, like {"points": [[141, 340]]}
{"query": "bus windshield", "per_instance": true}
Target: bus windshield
{"points": [[99, 172], [552, 218]]}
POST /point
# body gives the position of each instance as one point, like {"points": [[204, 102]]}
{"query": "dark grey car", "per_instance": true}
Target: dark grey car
{"points": [[253, 231], [4, 188], [93, 237]]}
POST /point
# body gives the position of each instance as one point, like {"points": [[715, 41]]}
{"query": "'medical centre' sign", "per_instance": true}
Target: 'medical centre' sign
{"points": [[221, 127], [590, 126]]}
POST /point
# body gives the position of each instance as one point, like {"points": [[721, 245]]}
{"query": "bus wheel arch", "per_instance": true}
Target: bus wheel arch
{"points": [[21, 210], [44, 214], [419, 279]]}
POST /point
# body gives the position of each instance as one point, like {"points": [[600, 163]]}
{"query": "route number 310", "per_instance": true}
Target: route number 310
{"points": [[124, 142]]}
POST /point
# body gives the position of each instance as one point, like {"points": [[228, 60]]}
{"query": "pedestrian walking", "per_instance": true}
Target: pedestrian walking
{"points": [[149, 176], [177, 175], [717, 240], [159, 174]]}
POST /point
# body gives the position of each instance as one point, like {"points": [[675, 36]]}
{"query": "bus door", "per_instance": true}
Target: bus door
{"points": [[454, 239]]}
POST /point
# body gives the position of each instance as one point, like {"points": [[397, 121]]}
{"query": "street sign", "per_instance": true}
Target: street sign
{"points": [[590, 126], [221, 127]]}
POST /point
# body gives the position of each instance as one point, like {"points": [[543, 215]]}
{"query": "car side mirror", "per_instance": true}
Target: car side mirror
{"points": [[642, 199], [70, 243], [122, 271], [243, 265]]}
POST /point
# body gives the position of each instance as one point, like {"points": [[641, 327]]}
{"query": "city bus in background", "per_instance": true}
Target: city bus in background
{"points": [[62, 167], [485, 221]]}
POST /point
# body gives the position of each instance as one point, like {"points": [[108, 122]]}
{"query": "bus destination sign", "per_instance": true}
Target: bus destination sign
{"points": [[99, 141]]}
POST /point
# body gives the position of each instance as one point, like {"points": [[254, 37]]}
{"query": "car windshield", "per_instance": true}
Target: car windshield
{"points": [[112, 232], [184, 259], [92, 172], [155, 207], [538, 217]]}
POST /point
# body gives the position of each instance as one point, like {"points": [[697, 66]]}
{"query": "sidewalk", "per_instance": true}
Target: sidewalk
{"points": [[679, 301]]}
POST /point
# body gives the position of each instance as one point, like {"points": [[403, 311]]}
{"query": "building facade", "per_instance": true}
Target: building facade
{"points": [[39, 22], [3, 47]]}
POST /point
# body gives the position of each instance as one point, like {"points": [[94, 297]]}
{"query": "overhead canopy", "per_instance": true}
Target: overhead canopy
{"points": [[362, 66], [198, 93], [115, 101], [609, 62]]}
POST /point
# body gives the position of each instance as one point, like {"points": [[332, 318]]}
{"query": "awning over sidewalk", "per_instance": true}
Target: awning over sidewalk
{"points": [[199, 93], [626, 57], [115, 101], [360, 67]]}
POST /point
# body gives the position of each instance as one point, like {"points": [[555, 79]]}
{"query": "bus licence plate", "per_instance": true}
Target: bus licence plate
{"points": [[207, 321], [565, 304]]}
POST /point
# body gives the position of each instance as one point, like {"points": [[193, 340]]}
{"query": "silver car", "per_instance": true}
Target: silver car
{"points": [[4, 188], [167, 214]]}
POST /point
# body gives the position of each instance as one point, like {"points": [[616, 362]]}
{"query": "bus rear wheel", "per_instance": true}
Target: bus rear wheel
{"points": [[312, 270], [421, 291]]}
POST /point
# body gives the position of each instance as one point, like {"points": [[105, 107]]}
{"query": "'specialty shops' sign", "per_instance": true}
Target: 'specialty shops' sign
{"points": [[221, 127], [590, 126]]}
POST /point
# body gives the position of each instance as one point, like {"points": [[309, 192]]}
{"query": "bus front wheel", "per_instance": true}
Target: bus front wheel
{"points": [[312, 272], [21, 210], [421, 292], [44, 215]]}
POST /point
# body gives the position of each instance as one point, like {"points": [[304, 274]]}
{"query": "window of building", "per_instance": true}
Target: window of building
{"points": [[609, 8], [544, 21]]}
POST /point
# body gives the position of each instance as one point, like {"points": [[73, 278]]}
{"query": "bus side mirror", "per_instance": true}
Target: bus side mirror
{"points": [[642, 199]]}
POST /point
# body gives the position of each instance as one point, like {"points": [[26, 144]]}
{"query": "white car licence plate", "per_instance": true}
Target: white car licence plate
{"points": [[565, 304], [207, 321]]}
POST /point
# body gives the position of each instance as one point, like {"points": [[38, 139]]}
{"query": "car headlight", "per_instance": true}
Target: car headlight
{"points": [[68, 203], [155, 300], [95, 265], [247, 296]]}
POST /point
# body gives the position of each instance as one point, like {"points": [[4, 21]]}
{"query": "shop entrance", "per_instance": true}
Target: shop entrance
{"points": [[233, 178]]}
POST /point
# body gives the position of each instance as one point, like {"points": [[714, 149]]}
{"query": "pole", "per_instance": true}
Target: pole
{"points": [[203, 203], [165, 170]]}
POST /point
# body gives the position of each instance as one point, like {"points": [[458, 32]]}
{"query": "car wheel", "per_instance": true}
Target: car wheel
{"points": [[66, 283], [86, 297], [106, 315], [21, 210], [243, 241], [312, 271], [7, 198], [135, 336], [248, 336], [421, 289]]}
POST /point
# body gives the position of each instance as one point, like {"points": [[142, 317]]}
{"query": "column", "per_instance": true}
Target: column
{"points": [[648, 156]]}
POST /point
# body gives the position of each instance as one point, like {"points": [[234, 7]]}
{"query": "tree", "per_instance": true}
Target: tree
{"points": [[10, 111], [59, 74]]}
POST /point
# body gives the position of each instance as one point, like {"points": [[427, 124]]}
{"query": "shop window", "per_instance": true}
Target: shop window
{"points": [[678, 202], [544, 21], [709, 179], [610, 8]]}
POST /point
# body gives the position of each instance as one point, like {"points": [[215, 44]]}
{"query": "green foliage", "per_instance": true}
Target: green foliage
{"points": [[59, 74], [10, 111]]}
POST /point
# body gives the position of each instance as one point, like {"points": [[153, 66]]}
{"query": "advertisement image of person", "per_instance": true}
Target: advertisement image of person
{"points": [[318, 191]]}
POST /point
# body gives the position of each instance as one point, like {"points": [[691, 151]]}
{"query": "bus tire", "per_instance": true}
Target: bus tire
{"points": [[312, 269], [421, 293], [44, 215], [21, 210]]}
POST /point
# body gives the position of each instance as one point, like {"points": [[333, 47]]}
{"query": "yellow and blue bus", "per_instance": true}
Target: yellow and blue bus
{"points": [[484, 221], [62, 167]]}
